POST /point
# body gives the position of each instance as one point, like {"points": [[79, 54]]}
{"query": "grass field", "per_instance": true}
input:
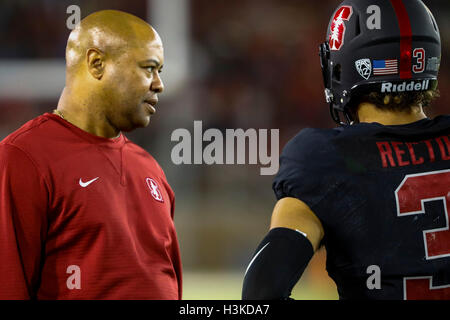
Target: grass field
{"points": [[315, 284], [207, 285]]}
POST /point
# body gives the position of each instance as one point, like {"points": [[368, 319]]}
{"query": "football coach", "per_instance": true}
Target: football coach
{"points": [[84, 212]]}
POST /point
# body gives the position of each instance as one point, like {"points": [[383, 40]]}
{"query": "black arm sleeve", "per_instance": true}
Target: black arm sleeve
{"points": [[277, 265]]}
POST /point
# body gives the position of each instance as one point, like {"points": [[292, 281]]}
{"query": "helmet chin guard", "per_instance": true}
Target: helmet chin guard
{"points": [[384, 46]]}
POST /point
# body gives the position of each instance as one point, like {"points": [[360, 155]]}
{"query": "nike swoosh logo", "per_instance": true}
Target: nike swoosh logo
{"points": [[255, 257], [85, 184]]}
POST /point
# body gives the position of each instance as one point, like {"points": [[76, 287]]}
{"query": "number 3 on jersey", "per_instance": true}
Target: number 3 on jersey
{"points": [[410, 195]]}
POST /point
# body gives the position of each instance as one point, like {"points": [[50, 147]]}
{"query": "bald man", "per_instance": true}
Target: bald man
{"points": [[84, 212]]}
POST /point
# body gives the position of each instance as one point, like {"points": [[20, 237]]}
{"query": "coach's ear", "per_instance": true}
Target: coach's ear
{"points": [[95, 60]]}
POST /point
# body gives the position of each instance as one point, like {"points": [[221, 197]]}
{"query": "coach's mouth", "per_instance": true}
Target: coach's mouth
{"points": [[151, 103]]}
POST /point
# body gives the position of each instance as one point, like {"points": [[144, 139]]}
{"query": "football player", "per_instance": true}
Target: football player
{"points": [[375, 191]]}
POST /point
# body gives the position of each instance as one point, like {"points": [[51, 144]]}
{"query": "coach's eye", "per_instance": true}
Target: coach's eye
{"points": [[150, 69]]}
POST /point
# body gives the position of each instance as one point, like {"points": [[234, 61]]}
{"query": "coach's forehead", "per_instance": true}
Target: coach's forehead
{"points": [[110, 30]]}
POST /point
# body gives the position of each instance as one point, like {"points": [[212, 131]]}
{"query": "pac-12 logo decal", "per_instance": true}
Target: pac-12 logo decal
{"points": [[364, 67], [337, 28], [154, 189]]}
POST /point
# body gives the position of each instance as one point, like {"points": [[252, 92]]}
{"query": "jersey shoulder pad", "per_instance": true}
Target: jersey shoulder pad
{"points": [[308, 165]]}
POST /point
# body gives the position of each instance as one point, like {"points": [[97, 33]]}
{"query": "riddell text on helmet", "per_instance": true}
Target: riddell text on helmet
{"points": [[405, 86]]}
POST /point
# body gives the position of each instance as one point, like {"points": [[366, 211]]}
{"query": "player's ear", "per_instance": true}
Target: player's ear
{"points": [[95, 60]]}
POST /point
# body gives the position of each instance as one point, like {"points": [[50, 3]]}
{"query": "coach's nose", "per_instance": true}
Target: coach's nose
{"points": [[157, 84]]}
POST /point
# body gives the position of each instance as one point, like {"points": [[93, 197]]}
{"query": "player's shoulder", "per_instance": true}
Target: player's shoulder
{"points": [[442, 121], [443, 118], [311, 143], [314, 135], [309, 166]]}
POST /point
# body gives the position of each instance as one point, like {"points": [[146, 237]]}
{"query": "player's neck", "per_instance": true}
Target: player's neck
{"points": [[82, 115], [368, 112]]}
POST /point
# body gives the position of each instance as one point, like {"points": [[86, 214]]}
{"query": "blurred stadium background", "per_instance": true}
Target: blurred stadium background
{"points": [[231, 64]]}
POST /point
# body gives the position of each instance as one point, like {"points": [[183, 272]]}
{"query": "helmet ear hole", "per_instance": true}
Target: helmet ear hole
{"points": [[337, 72]]}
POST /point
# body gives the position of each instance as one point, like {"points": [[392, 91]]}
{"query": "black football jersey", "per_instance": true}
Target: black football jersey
{"points": [[382, 194]]}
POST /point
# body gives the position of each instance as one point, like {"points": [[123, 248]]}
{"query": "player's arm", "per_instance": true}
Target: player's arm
{"points": [[23, 223], [280, 259]]}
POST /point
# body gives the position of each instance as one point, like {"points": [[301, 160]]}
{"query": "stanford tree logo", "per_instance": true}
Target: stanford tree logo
{"points": [[154, 189], [337, 31]]}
